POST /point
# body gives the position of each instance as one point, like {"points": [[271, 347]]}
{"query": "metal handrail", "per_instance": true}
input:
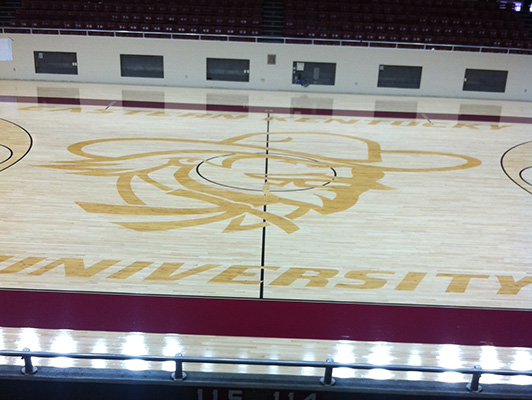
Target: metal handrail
{"points": [[328, 365], [263, 39]]}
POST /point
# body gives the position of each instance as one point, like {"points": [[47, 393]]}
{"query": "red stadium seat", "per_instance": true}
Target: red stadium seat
{"points": [[370, 36], [394, 37], [347, 36]]}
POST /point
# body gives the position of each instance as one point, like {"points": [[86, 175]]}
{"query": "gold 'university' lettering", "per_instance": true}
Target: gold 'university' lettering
{"points": [[307, 277]]}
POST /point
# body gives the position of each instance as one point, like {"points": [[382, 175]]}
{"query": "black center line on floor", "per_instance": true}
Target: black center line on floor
{"points": [[263, 250]]}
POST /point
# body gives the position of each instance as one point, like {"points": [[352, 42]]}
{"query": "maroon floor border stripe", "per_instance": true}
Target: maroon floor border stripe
{"points": [[268, 109], [256, 318]]}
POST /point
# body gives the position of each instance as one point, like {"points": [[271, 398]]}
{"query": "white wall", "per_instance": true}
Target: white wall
{"points": [[185, 65]]}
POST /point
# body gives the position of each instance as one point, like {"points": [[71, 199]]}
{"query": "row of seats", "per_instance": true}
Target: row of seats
{"points": [[144, 27], [436, 30], [488, 4], [306, 35], [134, 26], [65, 4], [407, 10], [398, 11], [291, 19], [219, 3], [367, 7], [145, 8], [139, 18], [411, 12]]}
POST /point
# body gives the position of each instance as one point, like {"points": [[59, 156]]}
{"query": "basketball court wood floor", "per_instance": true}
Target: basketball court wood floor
{"points": [[151, 220]]}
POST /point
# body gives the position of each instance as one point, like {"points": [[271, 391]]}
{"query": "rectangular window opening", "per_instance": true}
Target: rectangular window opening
{"points": [[141, 66], [306, 73], [399, 76], [484, 80], [55, 62], [224, 69]]}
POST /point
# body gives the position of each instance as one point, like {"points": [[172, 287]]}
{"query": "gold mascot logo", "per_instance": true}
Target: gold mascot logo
{"points": [[247, 182]]}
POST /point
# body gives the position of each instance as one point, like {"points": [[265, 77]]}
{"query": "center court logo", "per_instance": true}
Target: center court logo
{"points": [[245, 182]]}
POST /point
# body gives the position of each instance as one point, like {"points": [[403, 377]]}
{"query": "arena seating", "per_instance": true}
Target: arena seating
{"points": [[345, 22], [217, 17], [452, 22]]}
